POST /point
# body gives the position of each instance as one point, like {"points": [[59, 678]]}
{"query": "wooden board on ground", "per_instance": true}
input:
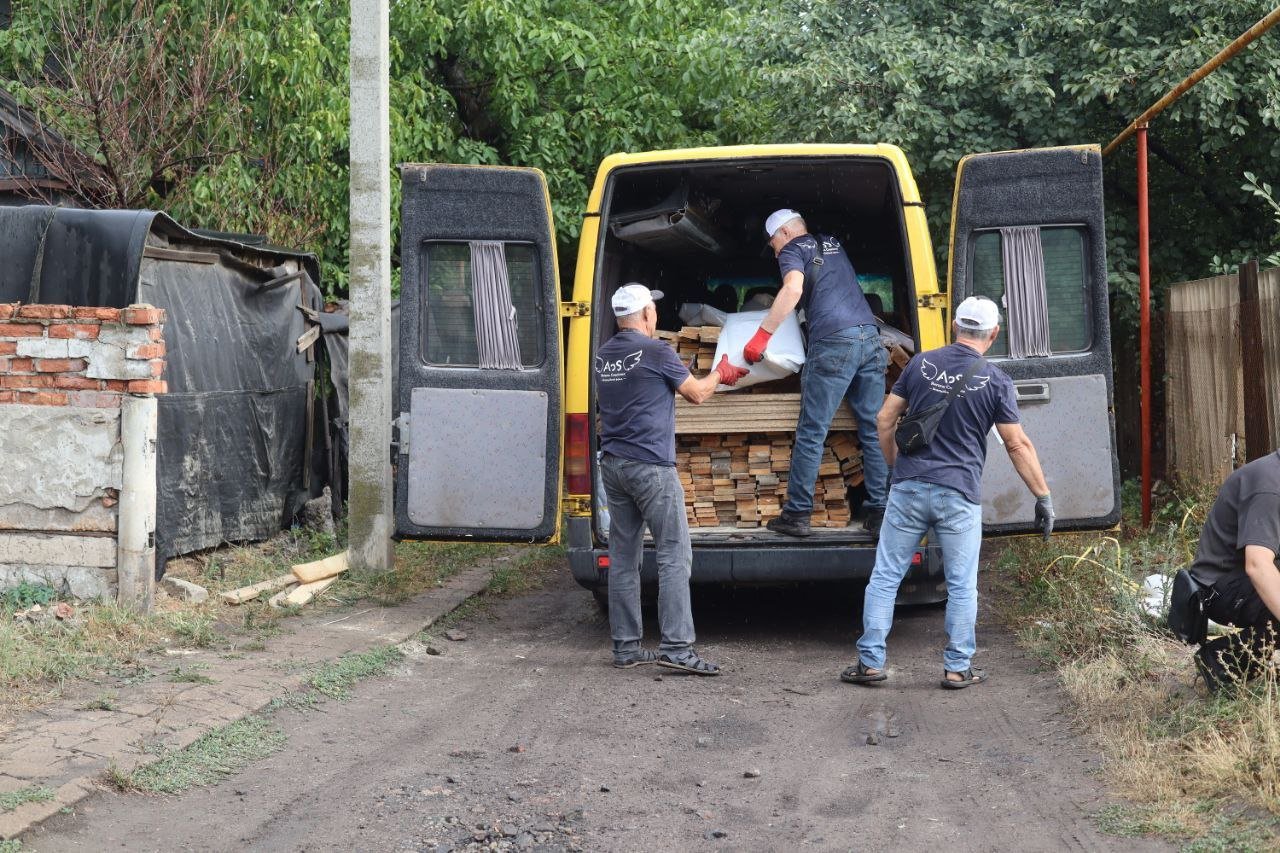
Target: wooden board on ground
{"points": [[320, 569], [249, 593], [753, 413], [304, 592]]}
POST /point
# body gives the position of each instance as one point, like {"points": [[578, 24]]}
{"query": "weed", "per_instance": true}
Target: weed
{"points": [[334, 679], [13, 845], [10, 800], [103, 702], [26, 594], [307, 701], [218, 754], [191, 675]]}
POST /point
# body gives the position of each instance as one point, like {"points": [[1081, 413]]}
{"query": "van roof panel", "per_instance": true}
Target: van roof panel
{"points": [[892, 153]]}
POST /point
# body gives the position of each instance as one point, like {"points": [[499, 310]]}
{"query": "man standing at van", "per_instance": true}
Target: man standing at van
{"points": [[843, 360], [936, 486], [637, 379]]}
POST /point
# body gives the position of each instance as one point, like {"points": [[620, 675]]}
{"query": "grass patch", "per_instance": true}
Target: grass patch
{"points": [[216, 755], [191, 675], [10, 800], [334, 679], [1196, 768], [102, 702], [13, 845]]}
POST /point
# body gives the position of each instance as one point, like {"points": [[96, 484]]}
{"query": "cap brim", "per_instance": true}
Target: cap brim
{"points": [[655, 295]]}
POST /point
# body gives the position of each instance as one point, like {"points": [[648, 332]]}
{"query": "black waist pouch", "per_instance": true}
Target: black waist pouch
{"points": [[1187, 618], [917, 429]]}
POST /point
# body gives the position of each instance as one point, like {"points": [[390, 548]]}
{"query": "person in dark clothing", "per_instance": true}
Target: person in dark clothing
{"points": [[1236, 561], [843, 360], [637, 378]]}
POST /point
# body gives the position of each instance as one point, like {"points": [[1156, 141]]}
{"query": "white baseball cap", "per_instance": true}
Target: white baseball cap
{"points": [[978, 313], [632, 297], [777, 219]]}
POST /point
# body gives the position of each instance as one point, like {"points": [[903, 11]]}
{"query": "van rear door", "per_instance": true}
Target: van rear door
{"points": [[479, 396], [1027, 231]]}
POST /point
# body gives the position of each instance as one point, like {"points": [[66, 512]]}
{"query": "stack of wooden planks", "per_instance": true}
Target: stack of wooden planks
{"points": [[740, 480], [696, 345]]}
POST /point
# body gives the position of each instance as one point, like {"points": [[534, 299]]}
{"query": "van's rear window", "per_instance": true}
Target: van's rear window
{"points": [[448, 304], [1066, 286]]}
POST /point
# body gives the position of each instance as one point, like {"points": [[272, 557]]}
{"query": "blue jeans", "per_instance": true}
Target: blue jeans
{"points": [[914, 507], [848, 365]]}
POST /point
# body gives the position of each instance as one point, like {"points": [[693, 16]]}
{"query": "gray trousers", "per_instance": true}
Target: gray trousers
{"points": [[641, 494]]}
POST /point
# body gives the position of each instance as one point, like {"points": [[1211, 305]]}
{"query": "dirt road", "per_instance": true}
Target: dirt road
{"points": [[522, 737]]}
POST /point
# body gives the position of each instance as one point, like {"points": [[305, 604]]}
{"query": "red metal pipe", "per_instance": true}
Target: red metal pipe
{"points": [[1144, 322]]}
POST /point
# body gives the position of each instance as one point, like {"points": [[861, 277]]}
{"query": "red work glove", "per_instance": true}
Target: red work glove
{"points": [[754, 350], [729, 374]]}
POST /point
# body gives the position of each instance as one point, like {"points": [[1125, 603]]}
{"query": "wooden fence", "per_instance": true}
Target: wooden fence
{"points": [[1222, 373]]}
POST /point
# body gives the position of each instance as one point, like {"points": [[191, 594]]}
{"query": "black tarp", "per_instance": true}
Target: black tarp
{"points": [[234, 427]]}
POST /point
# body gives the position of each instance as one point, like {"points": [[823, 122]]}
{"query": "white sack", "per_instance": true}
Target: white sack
{"points": [[783, 356], [697, 314]]}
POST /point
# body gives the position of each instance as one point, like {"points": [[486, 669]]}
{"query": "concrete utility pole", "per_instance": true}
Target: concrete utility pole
{"points": [[371, 519]]}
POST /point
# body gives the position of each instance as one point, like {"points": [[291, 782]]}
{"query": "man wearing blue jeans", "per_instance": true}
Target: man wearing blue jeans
{"points": [[937, 487], [844, 359], [637, 378]]}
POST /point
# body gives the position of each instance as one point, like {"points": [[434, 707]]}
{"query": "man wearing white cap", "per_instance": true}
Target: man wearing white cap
{"points": [[844, 359], [936, 486], [637, 378]]}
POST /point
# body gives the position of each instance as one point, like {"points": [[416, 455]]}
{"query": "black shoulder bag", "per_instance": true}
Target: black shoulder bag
{"points": [[917, 429], [1187, 618]]}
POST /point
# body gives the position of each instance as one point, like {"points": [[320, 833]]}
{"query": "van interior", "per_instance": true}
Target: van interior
{"points": [[695, 231]]}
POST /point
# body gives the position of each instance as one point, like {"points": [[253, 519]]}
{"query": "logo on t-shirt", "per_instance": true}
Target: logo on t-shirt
{"points": [[940, 381], [616, 370]]}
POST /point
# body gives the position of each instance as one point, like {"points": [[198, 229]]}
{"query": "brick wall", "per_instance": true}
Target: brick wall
{"points": [[65, 373]]}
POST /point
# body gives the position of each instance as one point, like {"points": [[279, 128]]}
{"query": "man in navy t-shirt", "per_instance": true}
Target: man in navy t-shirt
{"points": [[844, 359], [637, 379], [937, 486]]}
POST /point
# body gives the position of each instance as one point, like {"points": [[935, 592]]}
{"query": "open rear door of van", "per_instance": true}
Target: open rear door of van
{"points": [[480, 403], [1027, 231]]}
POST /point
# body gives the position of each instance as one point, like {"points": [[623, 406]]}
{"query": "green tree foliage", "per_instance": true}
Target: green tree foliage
{"points": [[556, 84], [945, 79]]}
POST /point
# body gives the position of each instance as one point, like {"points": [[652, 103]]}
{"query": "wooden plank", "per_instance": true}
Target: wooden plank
{"points": [[249, 593], [303, 593], [319, 569], [753, 413]]}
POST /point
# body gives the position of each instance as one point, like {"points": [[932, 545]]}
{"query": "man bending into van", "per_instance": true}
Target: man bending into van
{"points": [[936, 486], [637, 379], [843, 360]]}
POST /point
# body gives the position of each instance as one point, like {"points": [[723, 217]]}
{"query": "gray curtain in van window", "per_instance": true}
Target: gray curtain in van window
{"points": [[1024, 292], [497, 343]]}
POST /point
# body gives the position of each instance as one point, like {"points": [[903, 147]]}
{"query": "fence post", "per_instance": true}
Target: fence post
{"points": [[1257, 430]]}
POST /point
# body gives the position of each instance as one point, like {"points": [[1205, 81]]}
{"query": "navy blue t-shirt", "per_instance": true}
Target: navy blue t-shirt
{"points": [[959, 449], [832, 299], [636, 381]]}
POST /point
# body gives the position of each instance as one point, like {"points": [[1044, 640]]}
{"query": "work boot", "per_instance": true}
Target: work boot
{"points": [[1213, 669], [790, 525], [875, 518]]}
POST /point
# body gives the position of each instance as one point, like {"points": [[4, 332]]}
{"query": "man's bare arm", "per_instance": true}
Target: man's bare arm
{"points": [[786, 301], [1022, 453], [698, 391], [887, 423], [1260, 565]]}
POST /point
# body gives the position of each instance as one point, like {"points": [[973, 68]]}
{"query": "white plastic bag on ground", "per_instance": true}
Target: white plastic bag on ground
{"points": [[698, 314], [783, 356]]}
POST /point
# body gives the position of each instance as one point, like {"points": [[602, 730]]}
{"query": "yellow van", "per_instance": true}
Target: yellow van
{"points": [[507, 452]]}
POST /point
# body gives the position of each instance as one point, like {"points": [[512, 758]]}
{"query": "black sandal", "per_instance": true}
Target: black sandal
{"points": [[688, 662], [859, 674], [969, 676]]}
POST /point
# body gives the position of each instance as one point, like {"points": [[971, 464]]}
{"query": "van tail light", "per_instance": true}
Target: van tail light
{"points": [[577, 456]]}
